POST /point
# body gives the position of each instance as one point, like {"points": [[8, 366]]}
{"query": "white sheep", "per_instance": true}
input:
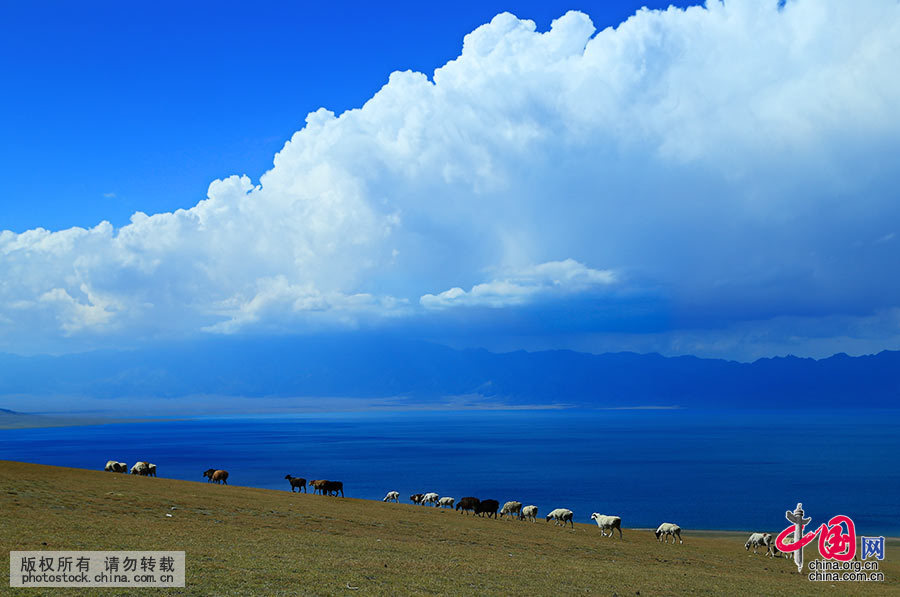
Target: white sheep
{"points": [[529, 512], [446, 501], [666, 529], [140, 468], [562, 516], [392, 496], [758, 540], [511, 508], [116, 467], [431, 498], [151, 470], [607, 523]]}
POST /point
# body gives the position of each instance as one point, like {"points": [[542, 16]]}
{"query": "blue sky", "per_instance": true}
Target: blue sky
{"points": [[113, 108], [716, 181]]}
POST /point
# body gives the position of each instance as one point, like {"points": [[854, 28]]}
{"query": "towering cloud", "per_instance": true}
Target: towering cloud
{"points": [[736, 163]]}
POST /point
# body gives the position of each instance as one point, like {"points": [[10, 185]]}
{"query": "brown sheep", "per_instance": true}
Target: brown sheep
{"points": [[220, 477], [318, 485], [296, 482]]}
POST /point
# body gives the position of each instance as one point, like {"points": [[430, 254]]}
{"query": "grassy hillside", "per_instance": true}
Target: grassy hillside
{"points": [[245, 541]]}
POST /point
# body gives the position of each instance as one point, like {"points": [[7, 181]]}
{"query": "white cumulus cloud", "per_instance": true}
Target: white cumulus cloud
{"points": [[520, 287]]}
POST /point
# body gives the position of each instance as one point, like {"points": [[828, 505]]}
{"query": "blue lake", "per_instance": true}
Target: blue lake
{"points": [[712, 470]]}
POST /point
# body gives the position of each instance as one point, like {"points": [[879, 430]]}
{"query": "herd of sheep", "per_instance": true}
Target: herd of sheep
{"points": [[489, 508], [560, 516]]}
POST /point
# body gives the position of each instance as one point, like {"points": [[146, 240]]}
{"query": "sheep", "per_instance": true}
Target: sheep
{"points": [[467, 503], [666, 529], [208, 473], [392, 496], [151, 470], [562, 516], [430, 498], [296, 483], [318, 485], [488, 507], [140, 468], [529, 513], [774, 551], [417, 498], [333, 487], [219, 476], [607, 523], [757, 540], [446, 501], [113, 466], [510, 508]]}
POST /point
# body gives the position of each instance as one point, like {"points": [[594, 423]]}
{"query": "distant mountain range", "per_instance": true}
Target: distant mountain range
{"points": [[421, 371]]}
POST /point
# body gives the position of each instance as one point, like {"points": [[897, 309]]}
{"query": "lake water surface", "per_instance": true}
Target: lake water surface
{"points": [[711, 470]]}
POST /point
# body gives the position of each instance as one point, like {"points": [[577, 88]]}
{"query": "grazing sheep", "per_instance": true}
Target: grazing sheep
{"points": [[446, 501], [140, 468], [529, 513], [318, 485], [430, 498], [151, 470], [220, 476], [666, 529], [488, 507], [467, 503], [113, 466], [758, 540], [333, 488], [562, 516], [775, 552], [392, 496], [607, 523], [296, 483], [510, 508], [417, 498]]}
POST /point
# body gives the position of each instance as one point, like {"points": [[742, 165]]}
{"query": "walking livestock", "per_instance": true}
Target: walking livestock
{"points": [[666, 529], [318, 486], [607, 523], [758, 540], [510, 508], [151, 470], [333, 487], [392, 496], [446, 501], [216, 476], [467, 504], [529, 513], [140, 468], [488, 507], [296, 482], [417, 498], [562, 516]]}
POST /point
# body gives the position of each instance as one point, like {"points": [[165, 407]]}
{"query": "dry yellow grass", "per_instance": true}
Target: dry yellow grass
{"points": [[246, 541]]}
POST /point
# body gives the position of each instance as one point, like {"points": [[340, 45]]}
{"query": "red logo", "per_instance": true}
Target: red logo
{"points": [[834, 542]]}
